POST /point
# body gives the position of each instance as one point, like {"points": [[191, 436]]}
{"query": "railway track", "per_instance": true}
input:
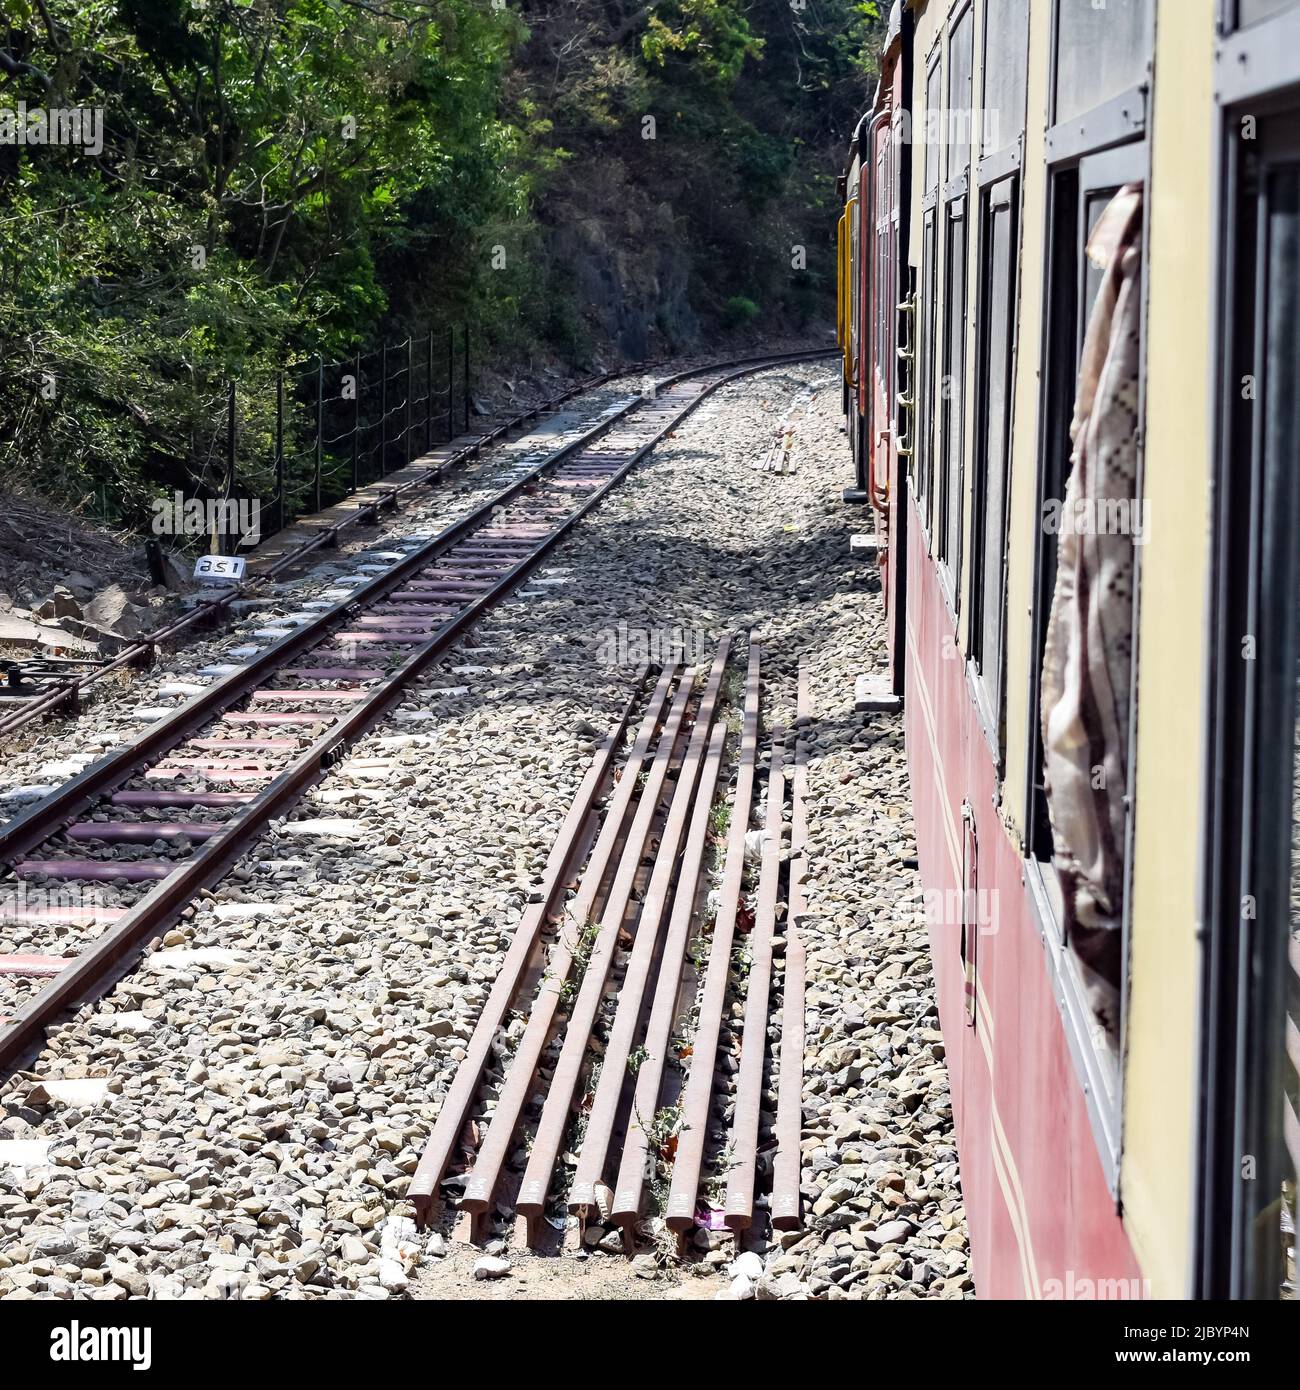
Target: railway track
{"points": [[64, 697], [114, 856]]}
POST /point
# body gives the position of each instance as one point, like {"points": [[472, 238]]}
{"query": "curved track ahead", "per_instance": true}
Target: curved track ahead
{"points": [[205, 782]]}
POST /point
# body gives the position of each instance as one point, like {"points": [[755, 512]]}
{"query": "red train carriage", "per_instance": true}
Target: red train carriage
{"points": [[1070, 285]]}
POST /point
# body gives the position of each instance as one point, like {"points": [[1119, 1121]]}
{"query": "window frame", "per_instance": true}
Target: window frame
{"points": [[926, 376], [998, 175], [1089, 152], [955, 195], [928, 317], [990, 696], [1110, 121]]}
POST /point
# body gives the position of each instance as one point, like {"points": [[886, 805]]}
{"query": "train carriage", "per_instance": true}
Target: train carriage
{"points": [[1070, 264]]}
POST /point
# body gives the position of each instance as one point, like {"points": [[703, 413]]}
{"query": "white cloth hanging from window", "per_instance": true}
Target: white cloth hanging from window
{"points": [[1088, 655]]}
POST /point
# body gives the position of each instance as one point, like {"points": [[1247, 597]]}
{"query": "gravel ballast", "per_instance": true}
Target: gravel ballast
{"points": [[263, 1084]]}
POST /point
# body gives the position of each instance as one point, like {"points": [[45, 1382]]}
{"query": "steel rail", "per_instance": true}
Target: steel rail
{"points": [[739, 1212], [99, 963], [549, 1134], [599, 1132], [787, 1166], [216, 610], [632, 1173], [486, 1172], [561, 864], [679, 1212], [60, 807]]}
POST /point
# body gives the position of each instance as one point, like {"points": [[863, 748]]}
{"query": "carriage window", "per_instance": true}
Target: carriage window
{"points": [[1006, 60], [960, 59], [1253, 1052], [1091, 520], [952, 386], [993, 401], [1101, 51], [951, 391], [927, 309], [928, 324], [933, 108], [884, 288]]}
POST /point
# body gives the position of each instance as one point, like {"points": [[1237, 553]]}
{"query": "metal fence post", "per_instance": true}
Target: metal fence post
{"points": [[230, 459], [428, 398], [466, 376], [282, 502], [407, 454], [356, 422], [383, 414], [320, 422], [451, 381]]}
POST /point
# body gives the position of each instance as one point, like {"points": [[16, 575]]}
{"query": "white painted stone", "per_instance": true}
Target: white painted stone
{"points": [[87, 1091], [220, 669], [30, 791], [150, 713], [169, 688], [131, 1021], [62, 767], [24, 1153], [242, 653], [182, 957], [325, 826]]}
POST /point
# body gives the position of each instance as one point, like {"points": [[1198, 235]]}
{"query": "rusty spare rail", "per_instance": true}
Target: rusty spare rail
{"points": [[514, 1091], [211, 613], [562, 864], [620, 1130], [555, 1111], [629, 1187], [788, 1164], [450, 583], [618, 1047], [698, 1094], [758, 984]]}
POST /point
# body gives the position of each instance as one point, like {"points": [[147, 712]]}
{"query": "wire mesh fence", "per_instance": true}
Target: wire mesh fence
{"points": [[331, 428]]}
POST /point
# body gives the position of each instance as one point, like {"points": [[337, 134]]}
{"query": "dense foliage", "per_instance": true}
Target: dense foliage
{"points": [[285, 178]]}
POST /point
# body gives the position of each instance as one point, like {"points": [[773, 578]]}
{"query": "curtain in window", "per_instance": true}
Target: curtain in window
{"points": [[1089, 648]]}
